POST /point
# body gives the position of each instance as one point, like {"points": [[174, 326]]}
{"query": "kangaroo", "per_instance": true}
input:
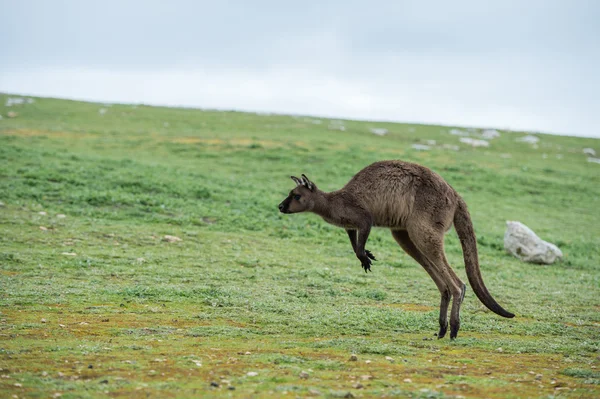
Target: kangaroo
{"points": [[419, 207]]}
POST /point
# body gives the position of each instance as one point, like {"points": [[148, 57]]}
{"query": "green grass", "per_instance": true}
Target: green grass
{"points": [[250, 290]]}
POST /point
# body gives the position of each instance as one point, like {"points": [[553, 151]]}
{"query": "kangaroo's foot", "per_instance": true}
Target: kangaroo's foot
{"points": [[370, 255]]}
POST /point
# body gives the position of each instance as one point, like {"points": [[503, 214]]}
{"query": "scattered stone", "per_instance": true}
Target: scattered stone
{"points": [[61, 216], [366, 377], [367, 361], [247, 353], [591, 159], [358, 385], [304, 375], [389, 359], [12, 114], [314, 392], [44, 374], [490, 134], [379, 131], [458, 132], [18, 385], [69, 253], [251, 373], [169, 238], [2, 205], [104, 382], [141, 260], [83, 323], [43, 320], [214, 384], [474, 142], [231, 388], [42, 213], [102, 111], [523, 243], [353, 357], [538, 377], [348, 395], [421, 147], [91, 366], [530, 139], [499, 350], [43, 228], [408, 380], [589, 151]]}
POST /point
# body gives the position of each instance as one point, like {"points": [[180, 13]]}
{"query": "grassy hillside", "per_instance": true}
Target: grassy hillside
{"points": [[251, 303]]}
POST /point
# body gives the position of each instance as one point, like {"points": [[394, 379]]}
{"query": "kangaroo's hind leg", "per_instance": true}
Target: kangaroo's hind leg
{"points": [[403, 239], [430, 242]]}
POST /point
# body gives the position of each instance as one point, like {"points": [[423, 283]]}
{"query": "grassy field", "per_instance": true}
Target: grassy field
{"points": [[95, 301]]}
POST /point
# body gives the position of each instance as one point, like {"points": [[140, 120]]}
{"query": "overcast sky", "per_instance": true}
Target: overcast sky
{"points": [[522, 64]]}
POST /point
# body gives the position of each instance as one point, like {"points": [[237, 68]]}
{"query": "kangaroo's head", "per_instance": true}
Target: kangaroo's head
{"points": [[301, 198]]}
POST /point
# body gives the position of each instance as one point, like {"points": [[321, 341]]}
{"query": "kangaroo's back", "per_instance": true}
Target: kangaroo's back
{"points": [[393, 190]]}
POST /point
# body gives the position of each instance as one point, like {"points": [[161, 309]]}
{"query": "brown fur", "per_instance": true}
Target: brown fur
{"points": [[419, 207]]}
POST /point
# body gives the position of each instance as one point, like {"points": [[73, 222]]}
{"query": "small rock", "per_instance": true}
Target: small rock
{"points": [[18, 385], [42, 213], [591, 159], [2, 205], [43, 228], [389, 358], [61, 216], [169, 238], [251, 373], [349, 395], [62, 325], [458, 132], [91, 366], [358, 385], [538, 377], [366, 377], [83, 323], [367, 361], [408, 380], [231, 388], [420, 147], [104, 382], [314, 392], [247, 353], [214, 384], [379, 131], [523, 243], [530, 139], [499, 350], [69, 253], [353, 357], [43, 320], [44, 374], [474, 142], [141, 260], [304, 375], [12, 114], [490, 134], [589, 151]]}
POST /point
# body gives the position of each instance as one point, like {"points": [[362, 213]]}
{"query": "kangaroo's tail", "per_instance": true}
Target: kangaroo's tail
{"points": [[464, 228]]}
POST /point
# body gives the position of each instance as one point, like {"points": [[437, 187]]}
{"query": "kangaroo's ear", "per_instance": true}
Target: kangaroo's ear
{"points": [[307, 183], [298, 181]]}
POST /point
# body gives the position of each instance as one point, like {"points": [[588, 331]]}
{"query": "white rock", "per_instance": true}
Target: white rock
{"points": [[521, 242], [379, 131], [431, 142], [169, 238], [529, 139], [451, 147], [458, 132], [490, 134], [252, 374], [474, 142], [420, 147], [10, 101], [594, 160], [589, 151]]}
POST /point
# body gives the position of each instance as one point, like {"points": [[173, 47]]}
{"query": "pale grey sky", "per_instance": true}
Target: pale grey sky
{"points": [[530, 65]]}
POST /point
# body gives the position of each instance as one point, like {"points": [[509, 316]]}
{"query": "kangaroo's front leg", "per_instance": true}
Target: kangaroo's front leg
{"points": [[352, 236], [361, 253]]}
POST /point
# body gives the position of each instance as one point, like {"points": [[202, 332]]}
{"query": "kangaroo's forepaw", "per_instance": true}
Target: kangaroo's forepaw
{"points": [[370, 255], [366, 263]]}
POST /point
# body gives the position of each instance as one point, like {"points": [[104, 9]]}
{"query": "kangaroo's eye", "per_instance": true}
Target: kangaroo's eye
{"points": [[297, 197]]}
